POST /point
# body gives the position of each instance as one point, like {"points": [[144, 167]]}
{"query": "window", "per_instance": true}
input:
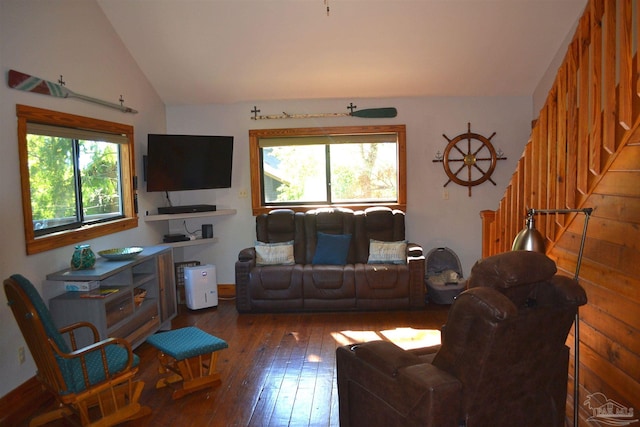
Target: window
{"points": [[353, 167], [77, 178]]}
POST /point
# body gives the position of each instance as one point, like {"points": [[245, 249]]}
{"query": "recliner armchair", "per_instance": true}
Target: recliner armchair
{"points": [[502, 362]]}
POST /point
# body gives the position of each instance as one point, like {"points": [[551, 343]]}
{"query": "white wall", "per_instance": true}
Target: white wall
{"points": [[73, 38], [548, 79], [431, 220], [47, 39]]}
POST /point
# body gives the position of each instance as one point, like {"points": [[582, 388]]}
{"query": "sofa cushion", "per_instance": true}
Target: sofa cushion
{"points": [[329, 287], [332, 249], [387, 252], [274, 253], [379, 223], [330, 221], [382, 286]]}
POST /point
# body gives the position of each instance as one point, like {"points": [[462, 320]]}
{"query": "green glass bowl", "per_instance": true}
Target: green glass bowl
{"points": [[119, 254]]}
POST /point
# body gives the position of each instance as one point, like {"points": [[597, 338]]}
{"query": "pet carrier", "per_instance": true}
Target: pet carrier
{"points": [[443, 277]]}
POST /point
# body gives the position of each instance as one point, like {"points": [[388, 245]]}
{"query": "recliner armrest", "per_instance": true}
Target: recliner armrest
{"points": [[416, 392], [569, 290], [442, 402], [426, 353], [385, 356]]}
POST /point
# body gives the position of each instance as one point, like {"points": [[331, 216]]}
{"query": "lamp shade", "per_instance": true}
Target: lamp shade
{"points": [[529, 239]]}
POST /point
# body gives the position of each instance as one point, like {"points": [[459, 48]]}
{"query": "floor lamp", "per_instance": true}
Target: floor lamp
{"points": [[530, 239]]}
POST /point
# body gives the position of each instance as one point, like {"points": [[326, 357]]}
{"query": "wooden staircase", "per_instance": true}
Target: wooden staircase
{"points": [[584, 151]]}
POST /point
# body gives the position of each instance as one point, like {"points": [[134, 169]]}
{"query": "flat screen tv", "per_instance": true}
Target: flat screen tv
{"points": [[188, 162]]}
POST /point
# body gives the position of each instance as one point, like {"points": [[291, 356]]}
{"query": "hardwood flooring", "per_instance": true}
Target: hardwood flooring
{"points": [[279, 369]]}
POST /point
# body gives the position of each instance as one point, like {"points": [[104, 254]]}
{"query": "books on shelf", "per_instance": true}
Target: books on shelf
{"points": [[81, 286], [99, 293]]}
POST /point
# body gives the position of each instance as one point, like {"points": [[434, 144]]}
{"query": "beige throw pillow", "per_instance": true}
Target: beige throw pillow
{"points": [[274, 253], [387, 252]]}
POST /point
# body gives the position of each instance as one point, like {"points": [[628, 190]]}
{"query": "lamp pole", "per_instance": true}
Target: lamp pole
{"points": [[531, 239]]}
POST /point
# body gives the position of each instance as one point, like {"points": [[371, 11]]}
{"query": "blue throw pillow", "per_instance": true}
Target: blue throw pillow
{"points": [[332, 249]]}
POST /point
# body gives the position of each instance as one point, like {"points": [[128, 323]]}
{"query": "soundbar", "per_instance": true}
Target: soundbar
{"points": [[172, 238], [186, 209]]}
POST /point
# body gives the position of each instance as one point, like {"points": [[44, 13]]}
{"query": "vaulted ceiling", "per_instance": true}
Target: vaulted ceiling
{"points": [[223, 51]]}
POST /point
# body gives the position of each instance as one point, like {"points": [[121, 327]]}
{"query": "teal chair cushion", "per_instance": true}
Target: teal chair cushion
{"points": [[186, 342], [71, 368]]}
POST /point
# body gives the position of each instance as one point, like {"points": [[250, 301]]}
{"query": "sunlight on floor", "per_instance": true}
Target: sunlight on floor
{"points": [[406, 338], [409, 338], [350, 337], [314, 358]]}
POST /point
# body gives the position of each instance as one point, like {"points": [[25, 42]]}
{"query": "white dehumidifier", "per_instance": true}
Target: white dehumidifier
{"points": [[201, 286]]}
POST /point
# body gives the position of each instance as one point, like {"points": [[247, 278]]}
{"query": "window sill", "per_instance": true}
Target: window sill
{"points": [[79, 235], [303, 208]]}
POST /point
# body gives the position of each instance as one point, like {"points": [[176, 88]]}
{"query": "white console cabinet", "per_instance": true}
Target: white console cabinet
{"points": [[118, 314]]}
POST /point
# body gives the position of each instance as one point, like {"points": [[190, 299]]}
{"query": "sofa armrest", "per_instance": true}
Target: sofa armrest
{"points": [[246, 262], [417, 265], [414, 250], [247, 254]]}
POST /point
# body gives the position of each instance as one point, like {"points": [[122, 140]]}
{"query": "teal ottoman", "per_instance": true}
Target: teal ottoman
{"points": [[189, 355]]}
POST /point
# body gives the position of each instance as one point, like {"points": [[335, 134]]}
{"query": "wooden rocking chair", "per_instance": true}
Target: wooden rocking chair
{"points": [[94, 383]]}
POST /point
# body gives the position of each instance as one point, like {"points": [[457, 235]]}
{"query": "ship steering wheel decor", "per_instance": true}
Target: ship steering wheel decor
{"points": [[469, 159]]}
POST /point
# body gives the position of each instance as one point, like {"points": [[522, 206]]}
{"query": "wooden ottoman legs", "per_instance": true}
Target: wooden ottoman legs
{"points": [[189, 355], [195, 373]]}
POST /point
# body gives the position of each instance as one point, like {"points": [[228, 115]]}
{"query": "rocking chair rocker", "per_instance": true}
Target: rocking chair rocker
{"points": [[94, 383]]}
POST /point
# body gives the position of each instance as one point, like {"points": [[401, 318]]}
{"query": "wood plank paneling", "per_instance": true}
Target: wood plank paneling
{"points": [[609, 121], [541, 174], [625, 102], [621, 183], [582, 159], [595, 140], [629, 160], [572, 126], [561, 147], [552, 153], [597, 164], [619, 208]]}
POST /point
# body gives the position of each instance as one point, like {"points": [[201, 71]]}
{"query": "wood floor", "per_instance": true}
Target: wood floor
{"points": [[279, 369]]}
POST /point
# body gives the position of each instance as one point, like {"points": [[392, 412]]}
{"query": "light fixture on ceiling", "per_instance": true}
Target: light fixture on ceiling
{"points": [[530, 239]]}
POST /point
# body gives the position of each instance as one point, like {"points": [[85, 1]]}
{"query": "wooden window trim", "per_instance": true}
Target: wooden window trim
{"points": [[72, 237], [254, 162]]}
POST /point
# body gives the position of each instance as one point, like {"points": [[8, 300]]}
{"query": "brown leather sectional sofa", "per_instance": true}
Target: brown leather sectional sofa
{"points": [[367, 278]]}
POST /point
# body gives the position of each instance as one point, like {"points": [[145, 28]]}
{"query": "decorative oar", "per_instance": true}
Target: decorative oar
{"points": [[28, 83], [370, 113]]}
